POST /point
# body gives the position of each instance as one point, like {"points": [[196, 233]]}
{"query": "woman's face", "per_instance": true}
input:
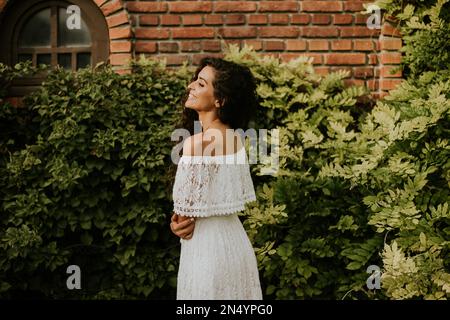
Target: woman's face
{"points": [[201, 91]]}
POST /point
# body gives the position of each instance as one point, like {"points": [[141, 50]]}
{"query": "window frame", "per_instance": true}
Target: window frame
{"points": [[19, 12]]}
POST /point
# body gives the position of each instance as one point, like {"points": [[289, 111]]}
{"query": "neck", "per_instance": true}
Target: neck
{"points": [[208, 119]]}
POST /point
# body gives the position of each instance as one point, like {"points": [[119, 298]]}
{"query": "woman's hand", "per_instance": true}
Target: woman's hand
{"points": [[182, 226]]}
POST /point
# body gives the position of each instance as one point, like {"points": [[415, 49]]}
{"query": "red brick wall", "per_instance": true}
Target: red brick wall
{"points": [[334, 33]]}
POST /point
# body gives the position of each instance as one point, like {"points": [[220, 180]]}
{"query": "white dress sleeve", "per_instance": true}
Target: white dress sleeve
{"points": [[212, 185]]}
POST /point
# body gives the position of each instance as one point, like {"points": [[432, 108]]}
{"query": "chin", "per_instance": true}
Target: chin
{"points": [[190, 106]]}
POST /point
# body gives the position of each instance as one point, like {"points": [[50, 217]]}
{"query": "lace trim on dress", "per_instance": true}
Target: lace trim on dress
{"points": [[212, 185]]}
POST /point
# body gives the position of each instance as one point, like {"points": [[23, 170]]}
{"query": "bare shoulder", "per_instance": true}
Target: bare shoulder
{"points": [[214, 142]]}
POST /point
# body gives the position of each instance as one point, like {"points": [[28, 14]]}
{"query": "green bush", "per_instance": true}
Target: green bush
{"points": [[311, 232], [425, 26], [89, 185]]}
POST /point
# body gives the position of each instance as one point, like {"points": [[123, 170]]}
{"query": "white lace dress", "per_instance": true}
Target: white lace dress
{"points": [[218, 262]]}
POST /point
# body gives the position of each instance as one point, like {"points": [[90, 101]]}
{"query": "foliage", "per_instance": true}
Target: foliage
{"points": [[311, 233], [90, 186], [425, 26]]}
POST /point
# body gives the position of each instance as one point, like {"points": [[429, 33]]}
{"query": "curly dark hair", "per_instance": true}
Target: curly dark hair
{"points": [[234, 86]]}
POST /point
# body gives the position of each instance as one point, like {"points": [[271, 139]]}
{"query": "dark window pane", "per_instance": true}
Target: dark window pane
{"points": [[65, 60], [44, 58], [83, 60], [24, 57], [72, 37], [36, 31]]}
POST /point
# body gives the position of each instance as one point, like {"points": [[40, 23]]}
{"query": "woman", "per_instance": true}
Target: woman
{"points": [[212, 185]]}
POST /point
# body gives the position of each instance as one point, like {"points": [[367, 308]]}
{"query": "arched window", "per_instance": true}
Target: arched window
{"points": [[72, 34]]}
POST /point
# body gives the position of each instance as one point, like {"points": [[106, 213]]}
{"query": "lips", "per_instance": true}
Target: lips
{"points": [[191, 96]]}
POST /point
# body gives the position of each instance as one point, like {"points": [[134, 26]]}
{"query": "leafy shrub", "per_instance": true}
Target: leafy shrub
{"points": [[310, 231], [425, 26], [92, 187]]}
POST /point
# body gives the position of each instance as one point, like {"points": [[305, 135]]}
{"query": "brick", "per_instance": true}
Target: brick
{"points": [[377, 72], [232, 19], [238, 32], [274, 45], [119, 33], [191, 46], [213, 19], [317, 45], [279, 19], [193, 32], [340, 45], [152, 33], [320, 32], [198, 57], [300, 19], [345, 58], [98, 2], [321, 19], [168, 47], [278, 32], [342, 19], [274, 6], [192, 20], [142, 46], [142, 7], [170, 20], [133, 20], [119, 58], [322, 71], [122, 46], [361, 19], [111, 7], [188, 6], [233, 6], [353, 82], [118, 19], [321, 6], [256, 44], [389, 84], [363, 72], [148, 20], [353, 6], [358, 31], [386, 72], [211, 45], [390, 58], [373, 59], [390, 43], [258, 19], [372, 84], [388, 30], [296, 45], [363, 45]]}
